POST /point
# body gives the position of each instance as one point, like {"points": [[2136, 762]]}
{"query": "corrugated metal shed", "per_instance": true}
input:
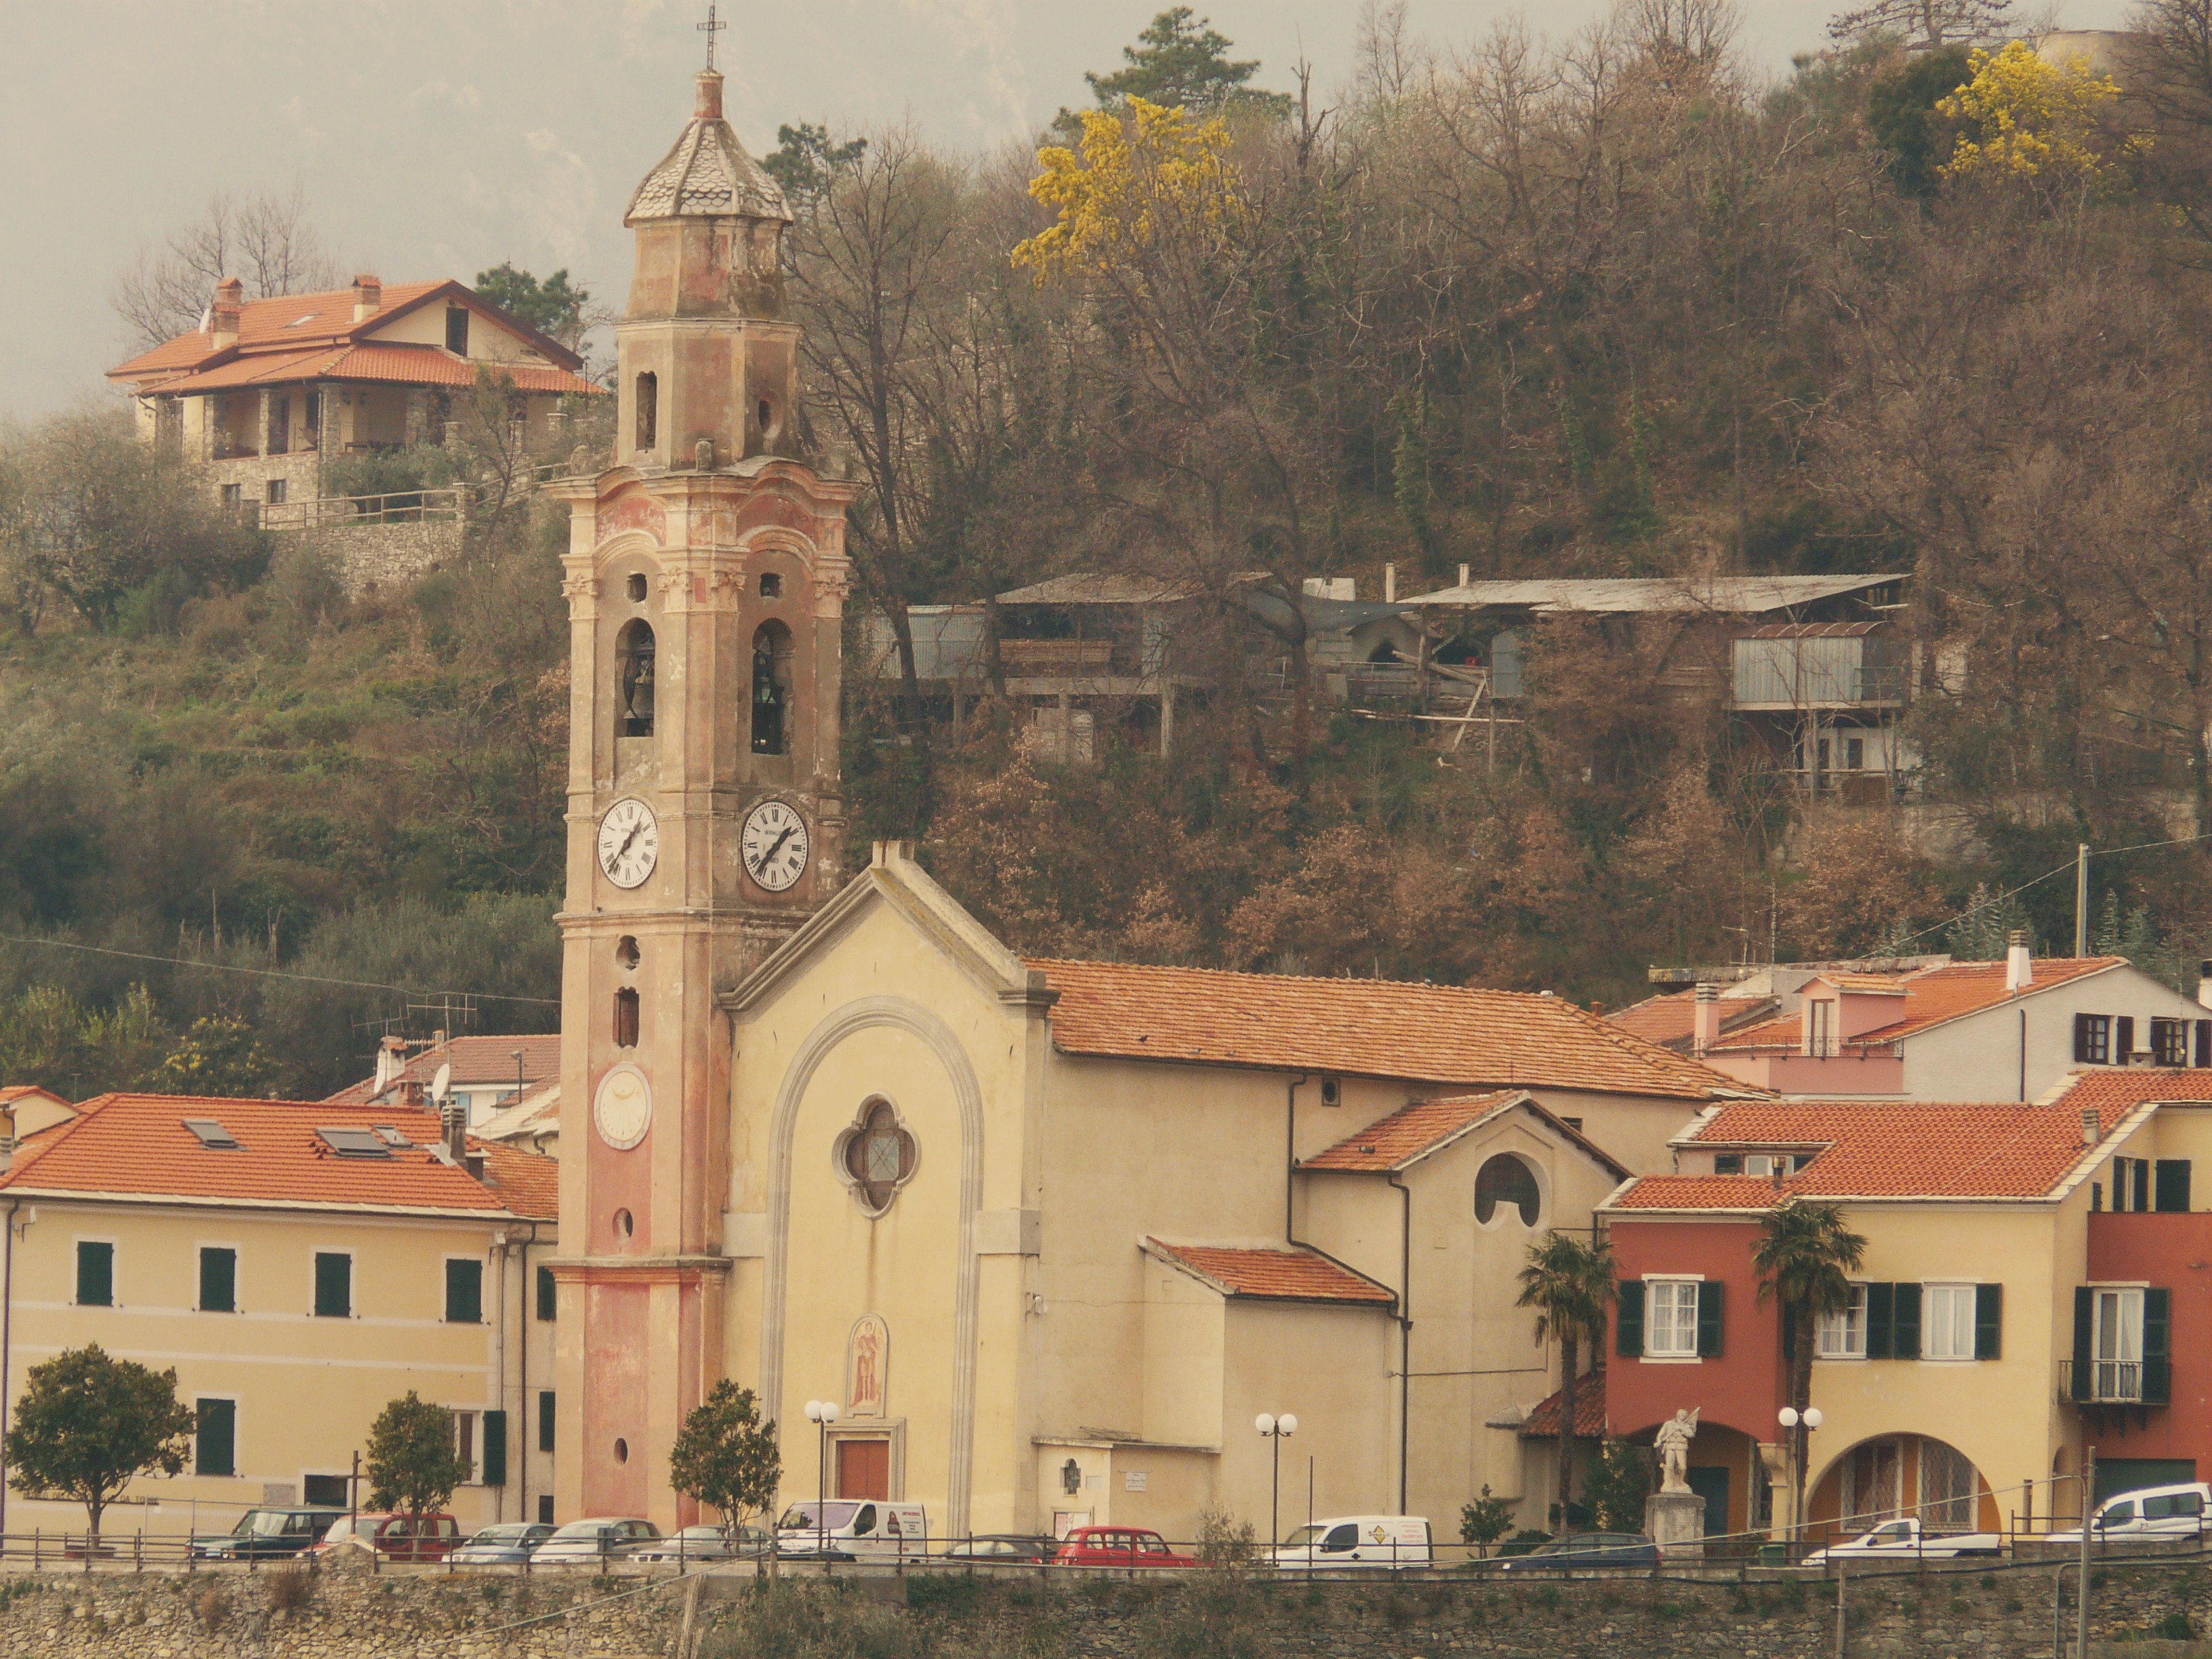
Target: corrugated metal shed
{"points": [[1729, 596]]}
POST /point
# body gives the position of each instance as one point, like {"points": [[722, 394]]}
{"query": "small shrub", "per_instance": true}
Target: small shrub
{"points": [[1549, 1596], [1989, 1580], [955, 1593], [1397, 1611], [289, 1588], [493, 1590], [2012, 1604], [211, 1606], [2175, 1627], [1668, 1610], [2097, 1579]]}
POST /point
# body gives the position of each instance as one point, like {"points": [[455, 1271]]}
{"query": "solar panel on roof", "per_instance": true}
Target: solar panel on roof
{"points": [[212, 1134], [354, 1142]]}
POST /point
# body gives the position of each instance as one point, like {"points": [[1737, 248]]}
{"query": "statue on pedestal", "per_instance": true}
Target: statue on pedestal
{"points": [[1673, 1442]]}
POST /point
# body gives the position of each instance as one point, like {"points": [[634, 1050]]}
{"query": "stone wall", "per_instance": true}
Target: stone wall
{"points": [[290, 1614], [388, 558]]}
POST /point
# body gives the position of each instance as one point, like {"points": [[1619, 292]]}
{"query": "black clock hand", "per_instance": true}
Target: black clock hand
{"points": [[776, 846]]}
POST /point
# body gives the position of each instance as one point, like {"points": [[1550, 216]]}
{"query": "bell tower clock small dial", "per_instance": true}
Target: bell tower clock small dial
{"points": [[629, 843], [774, 845]]}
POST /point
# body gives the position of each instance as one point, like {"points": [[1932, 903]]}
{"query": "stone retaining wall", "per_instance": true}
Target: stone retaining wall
{"points": [[352, 1614], [389, 558]]}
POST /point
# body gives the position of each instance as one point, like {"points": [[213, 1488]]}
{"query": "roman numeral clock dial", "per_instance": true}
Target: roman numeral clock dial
{"points": [[629, 843], [773, 846]]}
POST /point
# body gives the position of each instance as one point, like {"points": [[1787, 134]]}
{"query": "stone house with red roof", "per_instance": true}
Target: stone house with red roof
{"points": [[276, 1253], [2033, 1287]]}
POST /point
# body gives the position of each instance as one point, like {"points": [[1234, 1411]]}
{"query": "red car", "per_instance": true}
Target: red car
{"points": [[396, 1537], [1117, 1546]]}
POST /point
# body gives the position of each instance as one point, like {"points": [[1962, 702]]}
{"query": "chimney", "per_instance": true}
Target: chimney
{"points": [[2089, 1132], [1705, 1030], [367, 296], [2020, 969], [1462, 576], [2204, 983], [706, 102], [223, 312], [456, 1124], [390, 1060], [1390, 583]]}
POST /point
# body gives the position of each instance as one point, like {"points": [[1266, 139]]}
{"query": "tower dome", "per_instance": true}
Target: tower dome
{"points": [[708, 174]]}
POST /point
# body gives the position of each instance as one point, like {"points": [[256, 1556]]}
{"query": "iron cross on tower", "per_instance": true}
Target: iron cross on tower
{"points": [[710, 28]]}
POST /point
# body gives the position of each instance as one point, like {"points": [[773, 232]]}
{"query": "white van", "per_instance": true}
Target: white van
{"points": [[1364, 1541], [2153, 1511], [851, 1529]]}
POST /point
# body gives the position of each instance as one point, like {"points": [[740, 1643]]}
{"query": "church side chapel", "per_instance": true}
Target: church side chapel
{"points": [[1050, 1235]]}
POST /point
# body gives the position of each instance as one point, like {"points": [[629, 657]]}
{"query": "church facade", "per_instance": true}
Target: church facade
{"points": [[1049, 1234]]}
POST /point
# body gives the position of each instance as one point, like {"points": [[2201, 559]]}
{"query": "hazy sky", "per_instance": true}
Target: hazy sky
{"points": [[435, 138]]}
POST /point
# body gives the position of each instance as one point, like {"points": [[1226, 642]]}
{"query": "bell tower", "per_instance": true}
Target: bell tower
{"points": [[706, 578]]}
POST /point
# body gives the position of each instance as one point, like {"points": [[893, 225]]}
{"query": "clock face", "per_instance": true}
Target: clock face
{"points": [[775, 846], [622, 1111], [629, 843]]}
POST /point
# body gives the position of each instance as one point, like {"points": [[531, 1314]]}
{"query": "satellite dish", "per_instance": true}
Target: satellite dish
{"points": [[441, 1084]]}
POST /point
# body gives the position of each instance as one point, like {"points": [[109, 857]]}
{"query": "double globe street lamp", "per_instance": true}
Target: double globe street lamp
{"points": [[1275, 1429], [822, 1414], [1798, 1424]]}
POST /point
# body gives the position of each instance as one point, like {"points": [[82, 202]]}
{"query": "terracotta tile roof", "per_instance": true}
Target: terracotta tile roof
{"points": [[1392, 1142], [397, 365], [1364, 1027], [1910, 1149], [1292, 1275], [475, 1059], [1931, 996], [1670, 1019], [529, 1182], [1543, 1423], [138, 1146]]}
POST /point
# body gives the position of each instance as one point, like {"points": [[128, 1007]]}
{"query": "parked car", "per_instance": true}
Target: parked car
{"points": [[507, 1545], [2151, 1512], [1357, 1540], [395, 1537], [596, 1542], [706, 1544], [1906, 1541], [1117, 1546], [269, 1531], [852, 1529], [1587, 1549], [1013, 1549]]}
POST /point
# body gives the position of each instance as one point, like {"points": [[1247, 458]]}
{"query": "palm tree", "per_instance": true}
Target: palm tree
{"points": [[1569, 1281], [1805, 1257]]}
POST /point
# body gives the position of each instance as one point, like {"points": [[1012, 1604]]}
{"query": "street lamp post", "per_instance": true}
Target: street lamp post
{"points": [[1276, 1430], [1798, 1425], [822, 1414]]}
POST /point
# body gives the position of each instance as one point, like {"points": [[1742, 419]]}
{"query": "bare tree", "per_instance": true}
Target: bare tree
{"points": [[1928, 23], [265, 240]]}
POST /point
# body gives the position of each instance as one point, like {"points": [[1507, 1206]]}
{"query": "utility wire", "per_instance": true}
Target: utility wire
{"points": [[2035, 881], [272, 973]]}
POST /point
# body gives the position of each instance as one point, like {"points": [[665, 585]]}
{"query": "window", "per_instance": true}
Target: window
{"points": [[1506, 1180], [880, 1157], [212, 1136], [771, 687], [354, 1142], [2124, 1039], [2118, 1350], [545, 1508], [771, 585], [1820, 1029], [276, 492], [648, 411], [626, 1018], [2092, 1039], [2169, 1041], [1671, 1319], [1854, 754], [326, 1491], [464, 1292], [216, 1449], [1948, 1488], [2131, 1183], [1843, 1335], [218, 1280], [465, 1443], [333, 1285], [233, 496], [457, 329], [1946, 1321], [545, 1419], [548, 1294], [2170, 1185], [634, 653], [96, 1273]]}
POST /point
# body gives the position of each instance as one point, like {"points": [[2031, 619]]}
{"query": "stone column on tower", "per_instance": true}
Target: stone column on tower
{"points": [[705, 576]]}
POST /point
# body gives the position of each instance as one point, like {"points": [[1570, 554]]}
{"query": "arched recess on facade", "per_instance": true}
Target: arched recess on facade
{"points": [[862, 1014], [1886, 1477], [1727, 1470]]}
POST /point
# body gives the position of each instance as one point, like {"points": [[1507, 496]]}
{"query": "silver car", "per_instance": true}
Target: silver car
{"points": [[507, 1545], [707, 1544], [596, 1542]]}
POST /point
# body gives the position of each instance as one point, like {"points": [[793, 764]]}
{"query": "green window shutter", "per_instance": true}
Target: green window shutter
{"points": [[1881, 1307], [1628, 1318], [2157, 1347], [1904, 1322], [333, 1286], [494, 1449], [217, 1449], [1988, 1321], [96, 1275], [2170, 1184], [2123, 1038], [464, 1292], [547, 1294], [1710, 1301], [545, 1419], [218, 1281], [2085, 1331]]}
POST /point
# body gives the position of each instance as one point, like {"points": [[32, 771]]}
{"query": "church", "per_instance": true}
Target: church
{"points": [[1049, 1234]]}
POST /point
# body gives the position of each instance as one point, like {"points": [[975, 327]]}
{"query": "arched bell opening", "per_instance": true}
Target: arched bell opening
{"points": [[771, 698], [634, 663]]}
